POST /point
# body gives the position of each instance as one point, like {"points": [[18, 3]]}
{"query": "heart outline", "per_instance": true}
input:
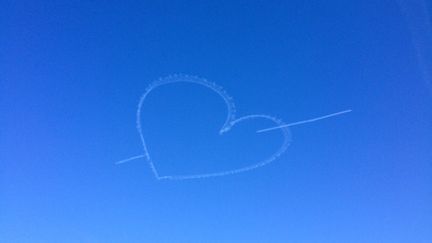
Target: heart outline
{"points": [[229, 123]]}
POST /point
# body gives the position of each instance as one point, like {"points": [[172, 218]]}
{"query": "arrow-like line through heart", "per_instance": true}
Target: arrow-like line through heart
{"points": [[229, 123]]}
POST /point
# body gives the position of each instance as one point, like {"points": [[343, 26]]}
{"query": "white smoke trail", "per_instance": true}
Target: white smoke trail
{"points": [[305, 121], [130, 159]]}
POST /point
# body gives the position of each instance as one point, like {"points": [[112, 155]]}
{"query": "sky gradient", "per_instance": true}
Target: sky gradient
{"points": [[72, 73]]}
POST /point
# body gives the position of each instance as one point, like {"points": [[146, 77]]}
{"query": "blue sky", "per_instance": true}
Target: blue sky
{"points": [[72, 74]]}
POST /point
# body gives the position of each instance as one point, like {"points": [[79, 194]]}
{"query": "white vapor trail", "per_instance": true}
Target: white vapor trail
{"points": [[230, 121], [129, 159], [305, 121]]}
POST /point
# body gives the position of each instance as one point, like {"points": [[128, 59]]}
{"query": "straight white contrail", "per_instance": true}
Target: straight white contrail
{"points": [[129, 159], [305, 121]]}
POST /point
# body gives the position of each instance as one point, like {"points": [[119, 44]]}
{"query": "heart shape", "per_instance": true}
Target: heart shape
{"points": [[229, 123]]}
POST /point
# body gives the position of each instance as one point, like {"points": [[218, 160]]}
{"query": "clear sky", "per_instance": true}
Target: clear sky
{"points": [[72, 73]]}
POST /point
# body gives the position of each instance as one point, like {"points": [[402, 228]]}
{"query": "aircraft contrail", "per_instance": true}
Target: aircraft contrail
{"points": [[305, 121], [129, 159]]}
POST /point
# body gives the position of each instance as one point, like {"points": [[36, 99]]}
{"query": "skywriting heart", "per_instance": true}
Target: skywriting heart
{"points": [[230, 122]]}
